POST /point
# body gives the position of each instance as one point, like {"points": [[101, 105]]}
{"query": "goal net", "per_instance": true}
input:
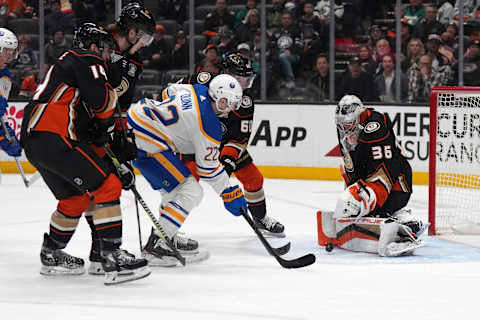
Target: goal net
{"points": [[454, 168]]}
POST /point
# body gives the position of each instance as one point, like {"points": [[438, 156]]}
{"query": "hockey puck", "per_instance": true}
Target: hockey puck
{"points": [[329, 247]]}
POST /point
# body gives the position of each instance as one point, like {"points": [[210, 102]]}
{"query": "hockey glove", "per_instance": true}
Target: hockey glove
{"points": [[12, 146], [126, 176], [124, 147], [357, 200], [100, 131], [3, 106], [229, 164], [234, 200]]}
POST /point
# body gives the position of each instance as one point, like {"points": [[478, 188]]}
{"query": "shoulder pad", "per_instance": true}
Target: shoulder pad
{"points": [[203, 77], [246, 102], [374, 128]]}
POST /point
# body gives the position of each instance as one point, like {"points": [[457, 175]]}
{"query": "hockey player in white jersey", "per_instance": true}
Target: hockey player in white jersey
{"points": [[8, 52], [184, 123]]}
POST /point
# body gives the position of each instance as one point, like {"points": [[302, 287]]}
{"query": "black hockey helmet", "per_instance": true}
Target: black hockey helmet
{"points": [[134, 14], [240, 67], [88, 33]]}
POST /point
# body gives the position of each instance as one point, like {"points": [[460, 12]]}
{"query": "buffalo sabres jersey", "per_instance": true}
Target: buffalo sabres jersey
{"points": [[5, 83], [378, 157], [183, 123]]}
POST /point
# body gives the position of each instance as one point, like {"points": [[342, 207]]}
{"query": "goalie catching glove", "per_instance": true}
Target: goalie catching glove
{"points": [[357, 200], [234, 200]]}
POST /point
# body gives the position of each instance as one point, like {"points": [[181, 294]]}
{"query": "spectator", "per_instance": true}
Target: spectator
{"points": [[289, 48], [423, 77], [315, 34], [429, 25], [221, 16], [433, 46], [172, 9], [211, 55], [447, 47], [415, 49], [385, 81], [414, 12], [247, 29], [226, 43], [55, 47], [26, 60], [469, 9], [382, 47], [274, 17], [366, 61], [471, 67], [323, 9], [310, 20], [376, 33], [355, 81], [157, 55], [208, 66], [180, 51], [317, 81], [12, 8], [56, 20], [242, 16], [29, 86], [445, 12]]}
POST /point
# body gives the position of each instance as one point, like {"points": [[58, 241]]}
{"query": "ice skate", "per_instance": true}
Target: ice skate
{"points": [[398, 239], [95, 258], [114, 262], [57, 262], [270, 227], [158, 254]]}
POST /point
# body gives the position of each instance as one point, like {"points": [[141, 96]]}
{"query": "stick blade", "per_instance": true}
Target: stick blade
{"points": [[299, 262]]}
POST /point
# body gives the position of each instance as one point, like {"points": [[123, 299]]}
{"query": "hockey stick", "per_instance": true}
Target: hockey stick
{"points": [[288, 264], [149, 213], [11, 140]]}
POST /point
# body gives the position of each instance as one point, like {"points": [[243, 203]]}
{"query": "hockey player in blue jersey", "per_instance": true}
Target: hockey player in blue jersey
{"points": [[8, 52], [186, 122]]}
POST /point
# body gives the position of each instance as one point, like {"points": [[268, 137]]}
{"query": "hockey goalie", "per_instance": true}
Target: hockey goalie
{"points": [[371, 214]]}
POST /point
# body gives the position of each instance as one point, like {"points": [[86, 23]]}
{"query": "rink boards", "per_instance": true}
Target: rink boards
{"points": [[298, 141]]}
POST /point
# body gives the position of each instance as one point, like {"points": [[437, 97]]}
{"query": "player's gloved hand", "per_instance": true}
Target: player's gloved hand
{"points": [[228, 163], [357, 200], [12, 146], [3, 106], [124, 147], [126, 176], [234, 200], [100, 131]]}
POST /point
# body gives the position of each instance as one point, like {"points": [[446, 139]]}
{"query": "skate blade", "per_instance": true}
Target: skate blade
{"points": [[96, 269], [60, 271], [267, 233], [169, 262], [113, 278]]}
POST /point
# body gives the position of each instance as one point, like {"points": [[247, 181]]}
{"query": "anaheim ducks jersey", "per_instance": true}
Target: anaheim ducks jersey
{"points": [[183, 123], [75, 89], [237, 127], [378, 158]]}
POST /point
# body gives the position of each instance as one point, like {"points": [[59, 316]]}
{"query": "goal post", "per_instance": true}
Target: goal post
{"points": [[454, 163]]}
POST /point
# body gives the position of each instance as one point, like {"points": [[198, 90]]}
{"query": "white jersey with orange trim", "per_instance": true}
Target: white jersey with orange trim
{"points": [[5, 83], [184, 123]]}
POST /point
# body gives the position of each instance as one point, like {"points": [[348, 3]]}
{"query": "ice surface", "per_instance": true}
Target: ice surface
{"points": [[240, 280]]}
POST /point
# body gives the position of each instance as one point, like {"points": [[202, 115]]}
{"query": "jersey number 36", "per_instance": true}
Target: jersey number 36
{"points": [[382, 152]]}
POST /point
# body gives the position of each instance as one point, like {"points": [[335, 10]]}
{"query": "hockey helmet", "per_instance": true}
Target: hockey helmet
{"points": [[347, 120], [88, 33], [8, 44], [135, 15], [226, 92], [239, 67]]}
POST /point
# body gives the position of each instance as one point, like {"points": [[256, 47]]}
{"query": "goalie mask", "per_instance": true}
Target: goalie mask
{"points": [[347, 120], [226, 92], [135, 15], [89, 33], [240, 67]]}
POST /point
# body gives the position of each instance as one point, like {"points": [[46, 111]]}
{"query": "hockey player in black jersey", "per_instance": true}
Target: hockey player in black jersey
{"points": [[72, 109], [377, 175], [132, 31], [237, 127]]}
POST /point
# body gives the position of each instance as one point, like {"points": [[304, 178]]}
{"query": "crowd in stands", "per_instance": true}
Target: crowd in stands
{"points": [[297, 45]]}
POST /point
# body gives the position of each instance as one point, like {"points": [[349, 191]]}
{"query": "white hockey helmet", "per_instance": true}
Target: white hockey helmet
{"points": [[8, 41], [226, 92], [347, 120]]}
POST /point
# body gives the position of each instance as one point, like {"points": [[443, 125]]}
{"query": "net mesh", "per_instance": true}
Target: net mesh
{"points": [[458, 163]]}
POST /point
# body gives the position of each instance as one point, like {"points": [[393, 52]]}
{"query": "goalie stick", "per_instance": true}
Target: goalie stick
{"points": [[149, 213], [300, 262]]}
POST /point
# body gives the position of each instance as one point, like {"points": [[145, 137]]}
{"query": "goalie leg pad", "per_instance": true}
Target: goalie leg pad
{"points": [[396, 239]]}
